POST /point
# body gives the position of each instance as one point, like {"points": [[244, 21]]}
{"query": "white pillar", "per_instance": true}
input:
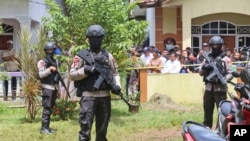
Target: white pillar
{"points": [[25, 22], [186, 27], [150, 17]]}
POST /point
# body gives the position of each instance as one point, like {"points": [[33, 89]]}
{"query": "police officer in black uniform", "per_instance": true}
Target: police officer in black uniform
{"points": [[47, 71], [95, 101], [215, 91]]}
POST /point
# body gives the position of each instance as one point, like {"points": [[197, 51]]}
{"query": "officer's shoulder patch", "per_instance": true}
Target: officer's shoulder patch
{"points": [[41, 63]]}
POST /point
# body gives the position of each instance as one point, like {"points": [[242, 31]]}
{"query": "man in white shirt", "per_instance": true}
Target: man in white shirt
{"points": [[9, 55], [146, 56], [164, 56], [173, 65]]}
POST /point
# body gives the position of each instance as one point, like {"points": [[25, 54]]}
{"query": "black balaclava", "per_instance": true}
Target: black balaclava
{"points": [[50, 54], [216, 51], [95, 43]]}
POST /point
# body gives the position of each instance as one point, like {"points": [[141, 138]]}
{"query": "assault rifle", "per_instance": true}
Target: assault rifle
{"points": [[58, 77], [104, 70], [215, 72]]}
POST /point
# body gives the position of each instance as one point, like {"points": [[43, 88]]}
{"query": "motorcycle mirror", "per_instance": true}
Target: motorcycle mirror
{"points": [[236, 74], [245, 76]]}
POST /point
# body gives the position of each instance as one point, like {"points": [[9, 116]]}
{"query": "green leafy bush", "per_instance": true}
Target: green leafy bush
{"points": [[65, 109]]}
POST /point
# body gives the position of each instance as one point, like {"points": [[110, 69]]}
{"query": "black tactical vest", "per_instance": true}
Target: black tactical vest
{"points": [[221, 65], [87, 83], [49, 79]]}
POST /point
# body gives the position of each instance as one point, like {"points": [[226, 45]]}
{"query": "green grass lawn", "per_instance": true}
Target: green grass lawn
{"points": [[124, 126]]}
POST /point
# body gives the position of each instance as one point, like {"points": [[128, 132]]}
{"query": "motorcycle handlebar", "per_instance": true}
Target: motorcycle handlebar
{"points": [[241, 101], [240, 88], [245, 103], [237, 84], [246, 106]]}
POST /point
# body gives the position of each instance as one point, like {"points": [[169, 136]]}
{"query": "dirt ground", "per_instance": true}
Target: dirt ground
{"points": [[161, 102], [159, 135]]}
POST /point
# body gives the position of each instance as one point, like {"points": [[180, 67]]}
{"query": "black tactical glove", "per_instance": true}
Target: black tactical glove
{"points": [[89, 69], [116, 90], [207, 67]]}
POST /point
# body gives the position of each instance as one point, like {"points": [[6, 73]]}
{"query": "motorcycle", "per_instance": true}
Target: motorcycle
{"points": [[193, 131], [236, 111]]}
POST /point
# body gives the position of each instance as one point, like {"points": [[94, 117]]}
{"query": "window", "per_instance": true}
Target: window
{"points": [[218, 27], [196, 30], [243, 41], [7, 28], [243, 29]]}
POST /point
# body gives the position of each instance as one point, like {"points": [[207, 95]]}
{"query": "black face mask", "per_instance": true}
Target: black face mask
{"points": [[50, 54], [95, 43], [216, 51]]}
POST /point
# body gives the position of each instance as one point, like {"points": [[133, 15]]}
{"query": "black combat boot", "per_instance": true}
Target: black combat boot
{"points": [[51, 130], [45, 129]]}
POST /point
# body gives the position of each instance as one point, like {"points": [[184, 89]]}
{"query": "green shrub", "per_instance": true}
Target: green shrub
{"points": [[64, 109]]}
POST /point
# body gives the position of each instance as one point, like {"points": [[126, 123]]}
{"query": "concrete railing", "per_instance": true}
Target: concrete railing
{"points": [[187, 88], [17, 74]]}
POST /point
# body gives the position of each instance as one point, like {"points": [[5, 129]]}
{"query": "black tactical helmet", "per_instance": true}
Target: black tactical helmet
{"points": [[216, 43], [216, 40], [49, 45], [95, 30]]}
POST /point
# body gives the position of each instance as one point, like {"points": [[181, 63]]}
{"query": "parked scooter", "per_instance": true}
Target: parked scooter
{"points": [[193, 131], [236, 111]]}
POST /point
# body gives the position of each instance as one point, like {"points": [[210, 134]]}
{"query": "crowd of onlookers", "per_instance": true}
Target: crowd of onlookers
{"points": [[173, 61], [156, 61], [168, 61], [177, 60]]}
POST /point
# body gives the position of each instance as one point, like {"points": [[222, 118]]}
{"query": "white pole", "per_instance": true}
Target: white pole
{"points": [[150, 17]]}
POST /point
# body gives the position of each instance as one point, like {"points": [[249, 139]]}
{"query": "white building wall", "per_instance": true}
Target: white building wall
{"points": [[13, 8], [197, 8], [34, 9], [37, 10]]}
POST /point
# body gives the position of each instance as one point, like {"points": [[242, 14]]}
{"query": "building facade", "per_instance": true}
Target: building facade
{"points": [[192, 22], [18, 14]]}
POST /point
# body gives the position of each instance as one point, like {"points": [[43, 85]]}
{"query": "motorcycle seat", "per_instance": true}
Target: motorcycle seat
{"points": [[201, 133]]}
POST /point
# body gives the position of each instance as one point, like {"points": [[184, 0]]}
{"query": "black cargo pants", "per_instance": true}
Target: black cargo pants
{"points": [[48, 101], [98, 108], [211, 98]]}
